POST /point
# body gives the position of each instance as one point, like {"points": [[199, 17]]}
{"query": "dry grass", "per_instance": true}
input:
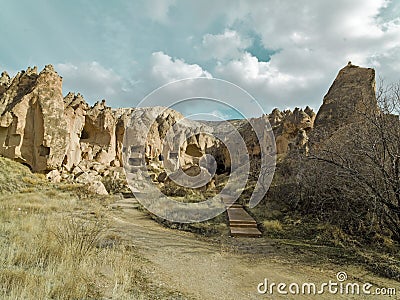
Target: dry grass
{"points": [[272, 227], [54, 244]]}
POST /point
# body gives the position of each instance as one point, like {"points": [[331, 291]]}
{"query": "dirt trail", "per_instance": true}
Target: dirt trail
{"points": [[205, 270]]}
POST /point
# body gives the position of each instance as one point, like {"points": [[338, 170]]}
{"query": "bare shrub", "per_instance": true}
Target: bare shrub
{"points": [[79, 236], [353, 179]]}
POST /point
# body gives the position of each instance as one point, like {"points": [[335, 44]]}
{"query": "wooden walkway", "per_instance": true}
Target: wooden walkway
{"points": [[240, 222]]}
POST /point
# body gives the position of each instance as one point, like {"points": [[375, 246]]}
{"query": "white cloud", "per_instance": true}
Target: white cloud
{"points": [[165, 69], [270, 86], [313, 39], [92, 80], [224, 46]]}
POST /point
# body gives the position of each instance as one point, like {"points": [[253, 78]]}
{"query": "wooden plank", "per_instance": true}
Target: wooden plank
{"points": [[252, 222], [252, 225], [238, 215], [235, 206], [241, 224], [245, 232], [228, 200]]}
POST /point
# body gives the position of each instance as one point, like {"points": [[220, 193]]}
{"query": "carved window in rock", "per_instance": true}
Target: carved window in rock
{"points": [[135, 161], [136, 149], [44, 151], [173, 155], [13, 140]]}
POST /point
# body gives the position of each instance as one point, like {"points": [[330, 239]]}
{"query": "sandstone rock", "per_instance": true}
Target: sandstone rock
{"points": [[351, 94], [99, 133], [97, 187], [4, 82], [5, 79], [47, 132], [98, 167], [75, 112], [211, 185], [146, 131], [54, 176], [32, 125], [192, 171], [115, 163], [87, 177], [282, 144], [291, 129], [275, 119], [310, 113]]}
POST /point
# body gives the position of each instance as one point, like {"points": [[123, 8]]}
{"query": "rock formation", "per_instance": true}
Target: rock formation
{"points": [[351, 94], [69, 140], [291, 128], [32, 123]]}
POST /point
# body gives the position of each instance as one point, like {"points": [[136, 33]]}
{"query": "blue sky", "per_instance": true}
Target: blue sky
{"points": [[284, 53]]}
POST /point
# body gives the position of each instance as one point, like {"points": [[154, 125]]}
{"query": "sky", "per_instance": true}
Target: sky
{"points": [[283, 53]]}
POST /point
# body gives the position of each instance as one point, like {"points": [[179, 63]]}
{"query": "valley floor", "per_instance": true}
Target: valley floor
{"points": [[58, 241], [229, 268]]}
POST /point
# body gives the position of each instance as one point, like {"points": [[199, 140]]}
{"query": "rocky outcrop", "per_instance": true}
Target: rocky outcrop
{"points": [[69, 140], [4, 82], [351, 94], [75, 109], [32, 124], [291, 129], [98, 137]]}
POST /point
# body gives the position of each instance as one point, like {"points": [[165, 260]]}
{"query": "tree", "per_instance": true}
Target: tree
{"points": [[353, 179]]}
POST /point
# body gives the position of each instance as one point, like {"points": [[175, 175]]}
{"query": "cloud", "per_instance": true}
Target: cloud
{"points": [[223, 46], [92, 80], [164, 69], [286, 53], [313, 40], [270, 86]]}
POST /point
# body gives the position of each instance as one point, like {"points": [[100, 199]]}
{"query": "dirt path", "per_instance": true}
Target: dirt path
{"points": [[206, 270]]}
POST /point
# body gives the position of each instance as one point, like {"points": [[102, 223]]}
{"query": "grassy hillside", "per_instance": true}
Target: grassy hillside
{"points": [[54, 244]]}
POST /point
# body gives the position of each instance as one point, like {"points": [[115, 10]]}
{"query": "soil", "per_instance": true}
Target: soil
{"points": [[230, 268]]}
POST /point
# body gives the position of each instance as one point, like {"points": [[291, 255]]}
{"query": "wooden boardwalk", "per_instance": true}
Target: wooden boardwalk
{"points": [[240, 222]]}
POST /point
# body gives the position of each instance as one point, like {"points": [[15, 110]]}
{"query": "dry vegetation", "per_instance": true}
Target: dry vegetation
{"points": [[54, 244]]}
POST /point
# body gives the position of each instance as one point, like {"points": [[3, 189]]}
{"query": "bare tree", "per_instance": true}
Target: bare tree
{"points": [[354, 178]]}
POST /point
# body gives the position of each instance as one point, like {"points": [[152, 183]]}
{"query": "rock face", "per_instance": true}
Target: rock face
{"points": [[291, 129], [351, 94], [33, 129], [75, 109], [68, 139]]}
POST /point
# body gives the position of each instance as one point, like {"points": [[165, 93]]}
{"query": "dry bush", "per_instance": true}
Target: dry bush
{"points": [[352, 179], [272, 226], [59, 258], [79, 236]]}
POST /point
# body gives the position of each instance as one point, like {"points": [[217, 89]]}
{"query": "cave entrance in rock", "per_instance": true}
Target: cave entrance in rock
{"points": [[95, 133], [193, 150], [84, 134], [44, 151]]}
